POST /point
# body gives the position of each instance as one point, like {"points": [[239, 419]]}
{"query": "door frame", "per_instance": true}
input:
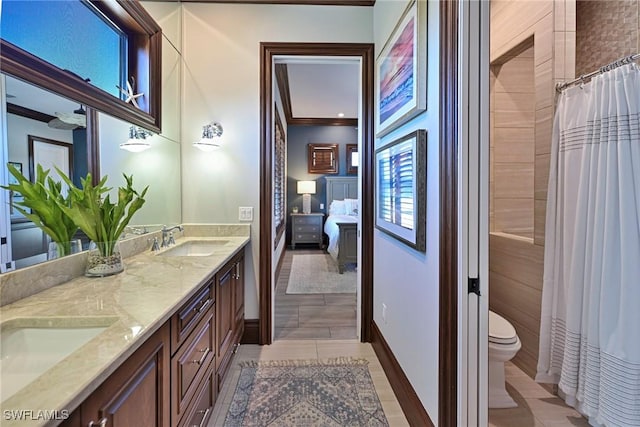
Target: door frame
{"points": [[449, 98], [268, 51]]}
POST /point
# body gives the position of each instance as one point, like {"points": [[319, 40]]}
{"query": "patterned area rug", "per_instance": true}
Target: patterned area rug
{"points": [[318, 274], [332, 393]]}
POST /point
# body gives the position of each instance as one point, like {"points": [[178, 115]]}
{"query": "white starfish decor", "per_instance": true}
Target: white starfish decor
{"points": [[131, 96]]}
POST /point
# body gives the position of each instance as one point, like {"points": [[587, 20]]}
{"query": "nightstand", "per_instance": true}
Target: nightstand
{"points": [[306, 228]]}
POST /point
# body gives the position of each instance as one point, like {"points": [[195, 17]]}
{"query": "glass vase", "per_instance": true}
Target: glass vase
{"points": [[104, 259], [58, 250]]}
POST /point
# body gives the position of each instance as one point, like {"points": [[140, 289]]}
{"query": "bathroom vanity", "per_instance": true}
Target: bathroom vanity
{"points": [[165, 333]]}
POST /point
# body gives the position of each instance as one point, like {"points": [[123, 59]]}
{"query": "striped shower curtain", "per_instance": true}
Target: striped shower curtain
{"points": [[590, 327]]}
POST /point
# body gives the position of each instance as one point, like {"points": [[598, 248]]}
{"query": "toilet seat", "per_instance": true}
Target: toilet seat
{"points": [[500, 330]]}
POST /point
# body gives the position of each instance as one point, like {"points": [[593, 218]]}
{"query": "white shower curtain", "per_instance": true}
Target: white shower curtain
{"points": [[590, 326]]}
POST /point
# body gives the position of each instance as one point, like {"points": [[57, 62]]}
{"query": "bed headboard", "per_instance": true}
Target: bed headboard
{"points": [[341, 187]]}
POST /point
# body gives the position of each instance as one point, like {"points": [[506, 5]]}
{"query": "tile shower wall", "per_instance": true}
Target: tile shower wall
{"points": [[516, 261], [513, 137], [605, 31]]}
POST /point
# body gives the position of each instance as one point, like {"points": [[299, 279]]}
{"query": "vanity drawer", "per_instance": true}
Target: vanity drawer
{"points": [[191, 362], [186, 319], [201, 407]]}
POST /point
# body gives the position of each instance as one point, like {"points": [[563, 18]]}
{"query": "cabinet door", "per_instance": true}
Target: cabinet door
{"points": [[225, 314], [137, 393]]}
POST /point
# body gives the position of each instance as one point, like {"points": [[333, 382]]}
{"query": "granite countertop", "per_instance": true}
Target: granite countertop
{"points": [[131, 305]]}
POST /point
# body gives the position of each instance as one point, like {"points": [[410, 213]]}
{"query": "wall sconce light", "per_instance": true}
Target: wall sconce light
{"points": [[209, 133], [137, 141], [306, 188]]}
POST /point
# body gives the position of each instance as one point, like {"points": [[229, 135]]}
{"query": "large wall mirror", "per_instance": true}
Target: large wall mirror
{"points": [[45, 128], [42, 125]]}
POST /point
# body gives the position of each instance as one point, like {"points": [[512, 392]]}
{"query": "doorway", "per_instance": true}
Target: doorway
{"points": [[268, 264], [316, 117]]}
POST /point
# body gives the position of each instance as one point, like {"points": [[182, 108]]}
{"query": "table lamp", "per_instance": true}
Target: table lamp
{"points": [[306, 188]]}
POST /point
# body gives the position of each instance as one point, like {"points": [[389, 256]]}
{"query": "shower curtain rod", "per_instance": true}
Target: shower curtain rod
{"points": [[582, 79]]}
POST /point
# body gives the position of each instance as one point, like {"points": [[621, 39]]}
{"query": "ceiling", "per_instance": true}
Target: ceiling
{"points": [[32, 97], [319, 89], [302, 2]]}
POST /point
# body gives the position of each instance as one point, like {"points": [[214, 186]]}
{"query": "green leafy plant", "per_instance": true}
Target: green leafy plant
{"points": [[44, 204], [102, 220]]}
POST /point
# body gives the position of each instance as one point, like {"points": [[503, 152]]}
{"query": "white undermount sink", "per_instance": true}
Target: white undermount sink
{"points": [[194, 248], [29, 347]]}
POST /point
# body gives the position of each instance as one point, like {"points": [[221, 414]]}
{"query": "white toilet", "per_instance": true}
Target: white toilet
{"points": [[503, 346]]}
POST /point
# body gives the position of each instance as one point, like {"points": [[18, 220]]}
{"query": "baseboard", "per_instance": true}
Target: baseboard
{"points": [[251, 332], [409, 402]]}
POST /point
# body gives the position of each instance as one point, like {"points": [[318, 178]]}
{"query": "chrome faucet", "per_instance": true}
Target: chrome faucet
{"points": [[137, 230], [167, 238]]}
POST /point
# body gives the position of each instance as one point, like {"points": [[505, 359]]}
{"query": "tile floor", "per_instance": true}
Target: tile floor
{"points": [[311, 316], [536, 406], [316, 326], [310, 349]]}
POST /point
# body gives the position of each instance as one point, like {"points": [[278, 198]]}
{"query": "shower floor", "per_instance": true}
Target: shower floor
{"points": [[536, 406]]}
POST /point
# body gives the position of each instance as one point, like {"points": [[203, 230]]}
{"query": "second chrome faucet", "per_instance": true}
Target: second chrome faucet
{"points": [[167, 236]]}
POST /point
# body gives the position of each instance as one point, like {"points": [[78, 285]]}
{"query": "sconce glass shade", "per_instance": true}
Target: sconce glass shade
{"points": [[209, 133], [137, 141], [306, 187]]}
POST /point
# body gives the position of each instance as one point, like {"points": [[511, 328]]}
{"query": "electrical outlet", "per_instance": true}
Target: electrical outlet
{"points": [[384, 313], [245, 213]]}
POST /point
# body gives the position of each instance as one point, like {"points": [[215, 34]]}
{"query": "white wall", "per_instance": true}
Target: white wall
{"points": [[406, 280], [221, 52]]}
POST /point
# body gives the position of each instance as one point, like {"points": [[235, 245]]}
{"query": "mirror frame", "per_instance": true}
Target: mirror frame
{"points": [[144, 57]]}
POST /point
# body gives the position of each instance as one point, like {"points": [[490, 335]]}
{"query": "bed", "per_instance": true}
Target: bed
{"points": [[342, 222]]}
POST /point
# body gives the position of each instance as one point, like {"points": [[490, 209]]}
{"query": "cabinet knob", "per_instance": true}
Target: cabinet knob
{"points": [[101, 423]]}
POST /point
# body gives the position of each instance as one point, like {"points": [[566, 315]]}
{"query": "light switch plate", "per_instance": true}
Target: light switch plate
{"points": [[245, 213]]}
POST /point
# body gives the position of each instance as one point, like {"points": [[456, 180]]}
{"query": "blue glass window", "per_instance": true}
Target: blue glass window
{"points": [[72, 35]]}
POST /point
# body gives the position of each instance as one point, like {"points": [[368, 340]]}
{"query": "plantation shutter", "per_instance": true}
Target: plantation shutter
{"points": [[396, 187]]}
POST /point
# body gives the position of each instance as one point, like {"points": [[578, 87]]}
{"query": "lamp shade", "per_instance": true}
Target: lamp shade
{"points": [[306, 187], [354, 159]]}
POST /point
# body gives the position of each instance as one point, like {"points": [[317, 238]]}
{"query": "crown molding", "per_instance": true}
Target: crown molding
{"points": [[298, 2]]}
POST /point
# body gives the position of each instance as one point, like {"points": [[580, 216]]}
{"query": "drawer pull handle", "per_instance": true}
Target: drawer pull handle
{"points": [[101, 423], [203, 306], [205, 353], [204, 417]]}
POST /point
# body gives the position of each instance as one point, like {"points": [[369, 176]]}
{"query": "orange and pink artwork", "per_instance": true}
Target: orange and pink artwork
{"points": [[397, 74]]}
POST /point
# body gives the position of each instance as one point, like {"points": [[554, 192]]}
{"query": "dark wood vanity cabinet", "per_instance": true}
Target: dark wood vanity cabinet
{"points": [[193, 361], [137, 393], [230, 313], [174, 378]]}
